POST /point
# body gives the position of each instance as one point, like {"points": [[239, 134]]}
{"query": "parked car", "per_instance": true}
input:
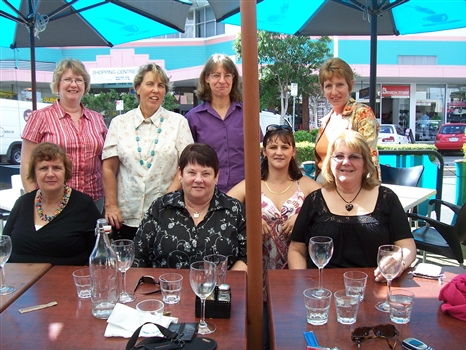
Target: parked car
{"points": [[450, 137], [392, 133]]}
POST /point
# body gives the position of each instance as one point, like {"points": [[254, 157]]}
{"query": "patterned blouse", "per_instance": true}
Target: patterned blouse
{"points": [[275, 246], [356, 116], [138, 142], [168, 237]]}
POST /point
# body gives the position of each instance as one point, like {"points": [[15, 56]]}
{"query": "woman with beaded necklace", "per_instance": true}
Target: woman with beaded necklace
{"points": [[54, 223], [141, 151]]}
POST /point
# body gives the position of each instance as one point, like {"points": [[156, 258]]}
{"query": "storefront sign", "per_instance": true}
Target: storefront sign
{"points": [[397, 91], [113, 75]]}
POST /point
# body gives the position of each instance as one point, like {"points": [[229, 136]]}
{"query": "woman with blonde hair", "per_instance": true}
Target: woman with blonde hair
{"points": [[68, 123], [353, 209]]}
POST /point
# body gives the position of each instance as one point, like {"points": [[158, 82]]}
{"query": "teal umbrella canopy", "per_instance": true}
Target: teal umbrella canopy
{"points": [[58, 23], [351, 17]]}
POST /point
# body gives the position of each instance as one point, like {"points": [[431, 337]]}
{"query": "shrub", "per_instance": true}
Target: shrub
{"points": [[309, 136], [304, 151]]}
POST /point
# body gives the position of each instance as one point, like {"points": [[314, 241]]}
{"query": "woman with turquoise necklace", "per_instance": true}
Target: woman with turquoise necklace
{"points": [[141, 152]]}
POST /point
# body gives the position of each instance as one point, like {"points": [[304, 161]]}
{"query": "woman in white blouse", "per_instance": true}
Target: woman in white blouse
{"points": [[141, 151]]}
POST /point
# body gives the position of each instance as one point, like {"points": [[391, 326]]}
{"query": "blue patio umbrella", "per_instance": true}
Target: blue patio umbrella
{"points": [[351, 17], [57, 23]]}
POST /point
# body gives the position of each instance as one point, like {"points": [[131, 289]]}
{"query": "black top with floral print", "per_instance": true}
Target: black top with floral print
{"points": [[167, 236]]}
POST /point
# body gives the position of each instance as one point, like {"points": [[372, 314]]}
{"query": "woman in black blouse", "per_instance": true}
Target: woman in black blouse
{"points": [[183, 226], [351, 208]]}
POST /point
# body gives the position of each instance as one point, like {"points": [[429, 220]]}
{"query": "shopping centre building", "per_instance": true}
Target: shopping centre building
{"points": [[417, 75]]}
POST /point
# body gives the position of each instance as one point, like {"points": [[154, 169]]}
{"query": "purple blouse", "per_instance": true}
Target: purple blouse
{"points": [[226, 136]]}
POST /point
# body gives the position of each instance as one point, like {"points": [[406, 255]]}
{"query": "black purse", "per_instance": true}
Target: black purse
{"points": [[169, 341]]}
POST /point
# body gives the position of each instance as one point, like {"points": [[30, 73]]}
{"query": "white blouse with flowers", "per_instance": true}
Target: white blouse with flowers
{"points": [[137, 184]]}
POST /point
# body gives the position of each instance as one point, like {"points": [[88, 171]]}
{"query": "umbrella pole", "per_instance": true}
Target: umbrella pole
{"points": [[373, 64], [33, 67], [252, 172]]}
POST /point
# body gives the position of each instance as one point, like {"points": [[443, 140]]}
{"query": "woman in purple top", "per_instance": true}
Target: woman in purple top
{"points": [[219, 120]]}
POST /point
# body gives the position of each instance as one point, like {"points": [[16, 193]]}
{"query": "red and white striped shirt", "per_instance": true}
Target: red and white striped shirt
{"points": [[83, 143]]}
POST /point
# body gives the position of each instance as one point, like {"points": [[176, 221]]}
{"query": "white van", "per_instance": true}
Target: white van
{"points": [[13, 117], [267, 118]]}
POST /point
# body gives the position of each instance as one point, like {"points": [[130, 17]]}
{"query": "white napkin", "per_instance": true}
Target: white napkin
{"points": [[123, 321]]}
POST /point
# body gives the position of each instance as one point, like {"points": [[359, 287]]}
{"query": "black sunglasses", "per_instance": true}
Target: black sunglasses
{"points": [[148, 280], [383, 331], [274, 127]]}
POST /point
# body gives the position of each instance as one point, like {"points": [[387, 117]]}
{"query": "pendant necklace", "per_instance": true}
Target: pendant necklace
{"points": [[348, 205], [197, 214], [286, 189], [156, 141]]}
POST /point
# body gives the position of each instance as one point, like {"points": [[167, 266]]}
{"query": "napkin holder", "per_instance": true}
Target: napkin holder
{"points": [[214, 308]]}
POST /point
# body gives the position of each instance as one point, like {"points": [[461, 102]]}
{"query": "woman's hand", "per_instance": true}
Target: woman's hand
{"points": [[113, 216], [287, 227], [266, 229]]}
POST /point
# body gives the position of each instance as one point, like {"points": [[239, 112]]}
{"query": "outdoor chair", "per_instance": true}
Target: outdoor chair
{"points": [[401, 176], [441, 238]]}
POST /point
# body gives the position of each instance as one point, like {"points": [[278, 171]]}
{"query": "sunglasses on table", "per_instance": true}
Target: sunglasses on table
{"points": [[383, 331], [148, 280], [274, 127]]}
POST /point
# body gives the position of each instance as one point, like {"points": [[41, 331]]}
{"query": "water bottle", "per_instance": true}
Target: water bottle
{"points": [[104, 273]]}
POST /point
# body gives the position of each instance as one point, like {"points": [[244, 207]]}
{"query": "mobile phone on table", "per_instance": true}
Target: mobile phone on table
{"points": [[415, 344]]}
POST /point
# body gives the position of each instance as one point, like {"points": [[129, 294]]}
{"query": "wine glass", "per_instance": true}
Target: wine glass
{"points": [[5, 252], [390, 263], [203, 277], [124, 249], [320, 251]]}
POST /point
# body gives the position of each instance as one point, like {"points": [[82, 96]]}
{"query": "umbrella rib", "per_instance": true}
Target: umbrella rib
{"points": [[59, 14], [7, 15]]}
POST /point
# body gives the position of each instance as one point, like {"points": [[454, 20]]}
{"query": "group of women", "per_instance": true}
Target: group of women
{"points": [[181, 200]]}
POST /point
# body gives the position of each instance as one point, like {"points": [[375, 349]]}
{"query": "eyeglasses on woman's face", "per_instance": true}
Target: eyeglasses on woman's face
{"points": [[218, 76], [353, 157], [383, 331], [77, 81], [273, 127]]}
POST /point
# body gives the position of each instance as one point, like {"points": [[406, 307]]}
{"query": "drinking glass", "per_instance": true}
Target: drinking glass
{"points": [[124, 249], [320, 251], [202, 276], [221, 262], [390, 263], [5, 252]]}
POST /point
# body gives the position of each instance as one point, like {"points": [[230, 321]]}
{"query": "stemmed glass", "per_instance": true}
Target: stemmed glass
{"points": [[320, 251], [5, 252], [390, 263], [203, 277], [124, 249]]}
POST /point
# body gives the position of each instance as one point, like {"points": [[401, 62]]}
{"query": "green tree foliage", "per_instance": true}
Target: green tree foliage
{"points": [[105, 103], [286, 59]]}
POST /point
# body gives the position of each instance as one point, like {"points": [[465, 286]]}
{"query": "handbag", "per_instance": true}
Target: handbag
{"points": [[169, 341]]}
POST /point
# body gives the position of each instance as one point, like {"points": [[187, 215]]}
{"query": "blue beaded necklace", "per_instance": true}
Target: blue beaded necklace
{"points": [[156, 141]]}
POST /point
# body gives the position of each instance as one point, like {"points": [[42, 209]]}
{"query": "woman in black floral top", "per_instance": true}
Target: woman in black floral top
{"points": [[183, 226]]}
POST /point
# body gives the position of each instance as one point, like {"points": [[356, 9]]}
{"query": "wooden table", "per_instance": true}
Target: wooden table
{"points": [[409, 196], [22, 277], [288, 314], [70, 324]]}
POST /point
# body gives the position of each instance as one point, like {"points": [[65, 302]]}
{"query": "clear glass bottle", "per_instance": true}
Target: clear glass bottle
{"points": [[224, 293], [104, 273]]}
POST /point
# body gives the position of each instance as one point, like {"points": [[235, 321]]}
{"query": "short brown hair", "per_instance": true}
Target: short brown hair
{"points": [[77, 67], [158, 73], [48, 151], [199, 153], [203, 90], [336, 67], [357, 143]]}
